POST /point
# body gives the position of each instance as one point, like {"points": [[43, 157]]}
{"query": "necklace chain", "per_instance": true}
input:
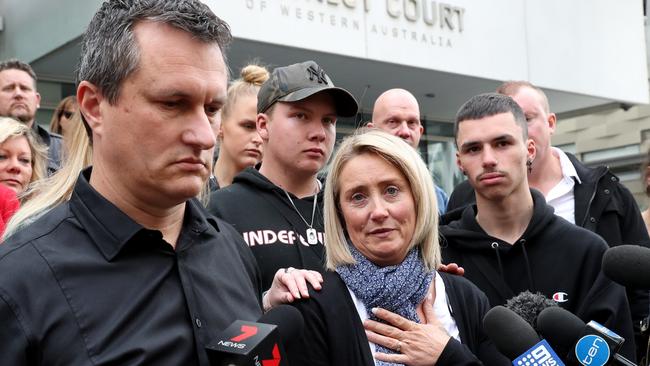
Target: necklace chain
{"points": [[313, 209]]}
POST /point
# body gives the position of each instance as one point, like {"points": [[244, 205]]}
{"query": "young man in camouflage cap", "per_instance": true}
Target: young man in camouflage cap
{"points": [[277, 206]]}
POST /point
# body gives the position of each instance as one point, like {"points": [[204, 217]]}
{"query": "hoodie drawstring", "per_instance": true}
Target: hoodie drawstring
{"points": [[528, 271], [495, 246]]}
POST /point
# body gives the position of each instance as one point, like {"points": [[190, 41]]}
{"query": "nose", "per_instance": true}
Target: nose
{"points": [[257, 139], [14, 166], [198, 132], [489, 158], [379, 211], [317, 131], [403, 131]]}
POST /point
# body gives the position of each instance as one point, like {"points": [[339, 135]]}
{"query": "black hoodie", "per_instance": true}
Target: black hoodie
{"points": [[553, 256], [270, 225]]}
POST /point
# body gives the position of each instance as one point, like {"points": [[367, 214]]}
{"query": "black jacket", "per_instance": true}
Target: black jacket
{"points": [[334, 334], [54, 144], [87, 285], [554, 257], [263, 214], [602, 205]]}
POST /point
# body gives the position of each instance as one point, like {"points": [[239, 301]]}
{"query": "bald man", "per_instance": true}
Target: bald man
{"points": [[397, 112]]}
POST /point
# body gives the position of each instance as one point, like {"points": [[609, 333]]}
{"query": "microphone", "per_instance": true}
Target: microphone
{"points": [[528, 305], [259, 343], [628, 265], [517, 340], [583, 344]]}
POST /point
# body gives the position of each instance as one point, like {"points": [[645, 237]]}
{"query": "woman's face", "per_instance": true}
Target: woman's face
{"points": [[378, 208], [15, 163], [65, 121], [240, 141]]}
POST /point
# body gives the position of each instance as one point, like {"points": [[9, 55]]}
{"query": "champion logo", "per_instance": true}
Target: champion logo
{"points": [[561, 297]]}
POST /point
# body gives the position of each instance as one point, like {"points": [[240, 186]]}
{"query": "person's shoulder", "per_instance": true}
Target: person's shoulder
{"points": [[23, 252], [573, 236], [460, 285]]}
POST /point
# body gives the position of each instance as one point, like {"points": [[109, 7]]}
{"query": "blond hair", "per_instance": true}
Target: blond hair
{"points": [[251, 78], [10, 128], [65, 104], [403, 157], [47, 193]]}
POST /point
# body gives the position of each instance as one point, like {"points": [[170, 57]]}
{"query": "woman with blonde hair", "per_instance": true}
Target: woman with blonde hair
{"points": [[381, 229], [47, 193], [240, 146], [22, 162], [62, 122]]}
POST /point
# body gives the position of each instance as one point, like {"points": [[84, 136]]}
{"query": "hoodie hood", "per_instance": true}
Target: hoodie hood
{"points": [[461, 228], [253, 178]]}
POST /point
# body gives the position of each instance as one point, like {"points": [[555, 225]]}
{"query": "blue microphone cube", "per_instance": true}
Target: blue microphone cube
{"points": [[540, 354]]}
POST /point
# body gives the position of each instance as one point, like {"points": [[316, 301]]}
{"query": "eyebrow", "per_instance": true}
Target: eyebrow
{"points": [[301, 107], [504, 137]]}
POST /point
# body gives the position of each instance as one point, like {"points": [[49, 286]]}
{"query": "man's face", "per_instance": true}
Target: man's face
{"points": [[493, 155], [541, 124], [299, 136], [18, 96], [156, 141], [398, 114]]}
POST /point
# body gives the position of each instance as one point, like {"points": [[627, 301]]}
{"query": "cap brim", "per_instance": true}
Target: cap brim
{"points": [[346, 105]]}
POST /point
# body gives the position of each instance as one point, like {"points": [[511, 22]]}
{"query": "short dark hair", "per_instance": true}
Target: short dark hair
{"points": [[487, 105], [109, 52], [15, 64]]}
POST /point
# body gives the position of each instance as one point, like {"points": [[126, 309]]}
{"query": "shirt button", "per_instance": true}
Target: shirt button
{"points": [[592, 219], [606, 191], [198, 322]]}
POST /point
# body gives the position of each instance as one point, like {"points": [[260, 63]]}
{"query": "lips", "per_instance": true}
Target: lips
{"points": [[381, 232], [12, 182], [253, 152], [192, 164], [490, 177], [315, 151]]}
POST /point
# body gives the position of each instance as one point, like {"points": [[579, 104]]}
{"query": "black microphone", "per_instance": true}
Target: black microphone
{"points": [[528, 305], [628, 265], [517, 340], [263, 342], [583, 344]]}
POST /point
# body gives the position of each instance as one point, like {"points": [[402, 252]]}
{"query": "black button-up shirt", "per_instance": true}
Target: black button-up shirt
{"points": [[87, 285]]}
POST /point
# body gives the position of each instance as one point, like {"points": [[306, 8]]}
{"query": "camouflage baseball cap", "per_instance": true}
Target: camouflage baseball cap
{"points": [[299, 81]]}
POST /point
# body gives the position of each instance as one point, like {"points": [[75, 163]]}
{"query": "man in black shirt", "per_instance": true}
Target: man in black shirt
{"points": [[132, 270]]}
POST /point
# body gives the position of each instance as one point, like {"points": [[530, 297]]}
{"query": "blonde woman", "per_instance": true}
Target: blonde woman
{"points": [[62, 121], [240, 146], [22, 162], [47, 193], [381, 227]]}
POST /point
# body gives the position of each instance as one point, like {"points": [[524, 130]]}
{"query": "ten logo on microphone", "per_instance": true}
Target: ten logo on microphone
{"points": [[592, 350], [540, 354]]}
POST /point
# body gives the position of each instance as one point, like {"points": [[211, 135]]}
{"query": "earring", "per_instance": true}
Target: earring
{"points": [[529, 164]]}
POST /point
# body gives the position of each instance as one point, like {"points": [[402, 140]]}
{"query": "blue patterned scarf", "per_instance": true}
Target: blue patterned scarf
{"points": [[400, 288]]}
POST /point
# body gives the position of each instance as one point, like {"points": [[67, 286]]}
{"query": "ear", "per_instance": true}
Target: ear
{"points": [[551, 119], [531, 149], [38, 100], [370, 124], [421, 129], [263, 126], [458, 163], [89, 99]]}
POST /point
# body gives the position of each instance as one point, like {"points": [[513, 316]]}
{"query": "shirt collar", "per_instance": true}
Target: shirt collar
{"points": [[110, 228], [568, 170]]}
